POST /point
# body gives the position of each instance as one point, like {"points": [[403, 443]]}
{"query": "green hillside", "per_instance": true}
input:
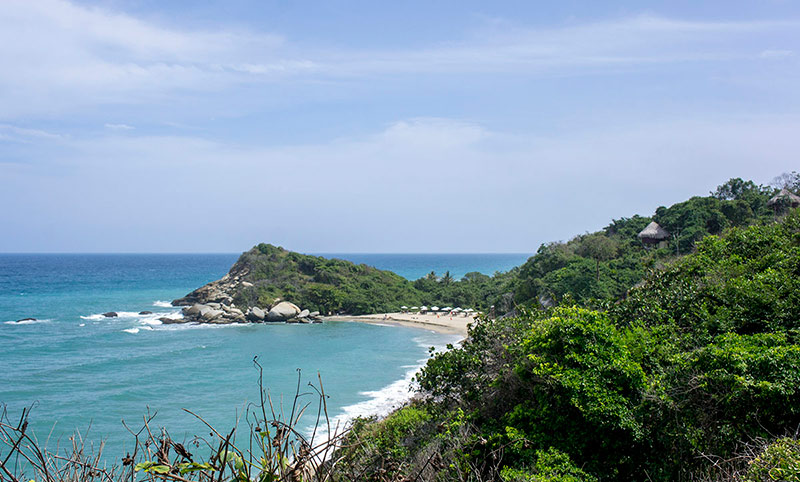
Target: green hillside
{"points": [[694, 376]]}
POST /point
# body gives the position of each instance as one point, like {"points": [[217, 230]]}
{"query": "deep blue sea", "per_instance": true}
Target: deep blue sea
{"points": [[78, 369]]}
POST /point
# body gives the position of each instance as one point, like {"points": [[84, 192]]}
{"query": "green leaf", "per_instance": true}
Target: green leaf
{"points": [[144, 465], [159, 469]]}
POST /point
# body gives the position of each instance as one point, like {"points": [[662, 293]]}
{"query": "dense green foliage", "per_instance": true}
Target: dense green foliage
{"points": [[779, 461], [589, 269], [335, 285], [696, 362], [316, 283], [605, 264]]}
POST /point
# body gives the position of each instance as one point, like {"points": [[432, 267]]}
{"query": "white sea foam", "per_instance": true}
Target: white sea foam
{"points": [[148, 318], [26, 322], [120, 315], [93, 317], [82, 324], [162, 304], [132, 331], [382, 402], [199, 326]]}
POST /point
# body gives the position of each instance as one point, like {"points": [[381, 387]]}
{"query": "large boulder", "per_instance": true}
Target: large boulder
{"points": [[304, 314], [111, 314], [208, 314], [283, 311], [254, 313], [193, 310]]}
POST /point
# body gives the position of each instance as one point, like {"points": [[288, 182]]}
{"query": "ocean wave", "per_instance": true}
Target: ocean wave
{"points": [[134, 315], [120, 315], [93, 317], [137, 329], [391, 397], [27, 322], [162, 304], [200, 326]]}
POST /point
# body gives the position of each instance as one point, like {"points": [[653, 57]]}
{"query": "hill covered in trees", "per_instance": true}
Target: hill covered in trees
{"points": [[267, 273], [604, 265], [590, 269], [695, 375]]}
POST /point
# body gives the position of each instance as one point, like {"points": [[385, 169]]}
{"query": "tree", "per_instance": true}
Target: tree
{"points": [[787, 180], [736, 188], [447, 278], [599, 248]]}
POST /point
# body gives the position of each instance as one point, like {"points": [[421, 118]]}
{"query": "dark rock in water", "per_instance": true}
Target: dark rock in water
{"points": [[172, 321], [26, 319], [111, 314], [145, 312]]}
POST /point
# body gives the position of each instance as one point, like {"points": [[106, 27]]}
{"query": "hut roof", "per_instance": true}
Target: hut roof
{"points": [[653, 231], [786, 194]]}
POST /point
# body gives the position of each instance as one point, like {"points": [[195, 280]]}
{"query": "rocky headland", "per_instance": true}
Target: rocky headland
{"points": [[271, 284], [214, 302]]}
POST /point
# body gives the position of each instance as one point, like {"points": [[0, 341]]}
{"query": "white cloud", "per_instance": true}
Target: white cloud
{"points": [[58, 56], [776, 54], [414, 172], [119, 127], [20, 134]]}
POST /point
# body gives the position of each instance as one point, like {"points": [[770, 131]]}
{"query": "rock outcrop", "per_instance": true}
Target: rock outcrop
{"points": [[283, 311], [255, 314], [257, 274], [220, 291], [220, 313]]}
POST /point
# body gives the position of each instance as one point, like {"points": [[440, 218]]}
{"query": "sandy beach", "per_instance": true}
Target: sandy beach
{"points": [[455, 324]]}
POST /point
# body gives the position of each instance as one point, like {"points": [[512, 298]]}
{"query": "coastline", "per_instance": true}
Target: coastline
{"points": [[445, 324]]}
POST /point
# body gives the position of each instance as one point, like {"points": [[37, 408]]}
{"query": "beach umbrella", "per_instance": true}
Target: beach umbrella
{"points": [[414, 308], [447, 308], [404, 307], [458, 310], [434, 308], [424, 308]]}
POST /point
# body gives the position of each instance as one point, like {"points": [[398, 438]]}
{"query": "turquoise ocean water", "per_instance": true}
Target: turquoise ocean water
{"points": [[77, 368]]}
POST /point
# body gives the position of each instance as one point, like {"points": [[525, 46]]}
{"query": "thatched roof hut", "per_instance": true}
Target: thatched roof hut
{"points": [[784, 198], [653, 234]]}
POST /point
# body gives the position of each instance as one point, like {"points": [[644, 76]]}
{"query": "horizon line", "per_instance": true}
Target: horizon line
{"points": [[318, 253]]}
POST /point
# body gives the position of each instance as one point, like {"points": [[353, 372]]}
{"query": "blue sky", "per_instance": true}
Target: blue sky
{"points": [[333, 126]]}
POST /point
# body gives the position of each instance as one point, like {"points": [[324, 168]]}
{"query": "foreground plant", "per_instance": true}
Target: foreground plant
{"points": [[274, 449]]}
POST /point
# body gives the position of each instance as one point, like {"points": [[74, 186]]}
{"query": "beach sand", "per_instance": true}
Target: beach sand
{"points": [[438, 323]]}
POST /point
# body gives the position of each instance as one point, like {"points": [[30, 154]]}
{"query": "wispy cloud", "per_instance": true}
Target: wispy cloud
{"points": [[59, 56], [776, 54], [414, 172], [10, 132], [119, 127]]}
